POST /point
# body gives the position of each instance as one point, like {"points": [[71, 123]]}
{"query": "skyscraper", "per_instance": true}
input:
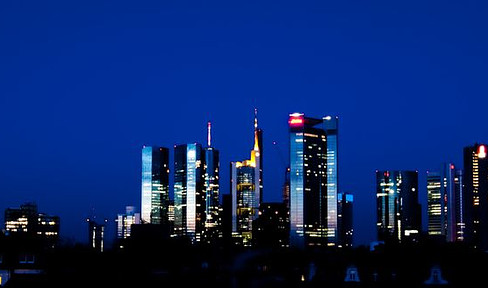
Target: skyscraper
{"points": [[459, 206], [441, 203], [476, 195], [258, 154], [345, 219], [435, 205], [212, 195], [189, 191], [331, 133], [308, 182], [398, 209], [246, 190], [155, 185]]}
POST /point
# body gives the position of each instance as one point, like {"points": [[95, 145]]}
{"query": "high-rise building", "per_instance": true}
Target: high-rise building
{"points": [[189, 191], [476, 195], [96, 234], [246, 190], [398, 209], [258, 154], [125, 222], [331, 133], [308, 182], [27, 221], [345, 219], [212, 195], [435, 205], [442, 212], [459, 205], [155, 185]]}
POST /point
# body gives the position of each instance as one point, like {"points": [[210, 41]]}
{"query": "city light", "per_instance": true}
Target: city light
{"points": [[481, 151], [296, 120]]}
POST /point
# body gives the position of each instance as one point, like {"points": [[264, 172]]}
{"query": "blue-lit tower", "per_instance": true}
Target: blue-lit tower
{"points": [[331, 133], [189, 191], [155, 185], [308, 182]]}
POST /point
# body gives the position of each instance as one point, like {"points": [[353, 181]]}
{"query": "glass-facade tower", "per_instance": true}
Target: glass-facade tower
{"points": [[155, 185], [398, 209], [308, 182], [189, 192], [331, 134]]}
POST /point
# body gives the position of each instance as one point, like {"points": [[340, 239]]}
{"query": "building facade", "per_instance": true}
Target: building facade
{"points": [[332, 137], [398, 208], [459, 205], [125, 222], [96, 234], [155, 185], [435, 205], [246, 191], [476, 195], [26, 221], [308, 182], [286, 189], [213, 221], [189, 192], [443, 210]]}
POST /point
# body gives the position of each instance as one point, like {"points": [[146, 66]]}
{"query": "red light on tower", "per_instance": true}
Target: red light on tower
{"points": [[296, 121], [452, 167]]}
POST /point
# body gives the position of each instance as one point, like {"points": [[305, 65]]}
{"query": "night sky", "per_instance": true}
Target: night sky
{"points": [[84, 84]]}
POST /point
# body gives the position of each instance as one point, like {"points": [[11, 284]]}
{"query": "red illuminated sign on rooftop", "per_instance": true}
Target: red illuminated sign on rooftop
{"points": [[296, 121]]}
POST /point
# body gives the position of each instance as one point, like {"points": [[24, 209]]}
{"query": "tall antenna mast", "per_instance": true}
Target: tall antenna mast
{"points": [[209, 135], [255, 118]]}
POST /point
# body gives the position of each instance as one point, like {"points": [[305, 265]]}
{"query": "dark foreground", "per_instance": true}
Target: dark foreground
{"points": [[172, 264]]}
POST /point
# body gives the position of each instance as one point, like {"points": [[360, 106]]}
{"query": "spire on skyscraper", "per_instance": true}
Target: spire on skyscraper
{"points": [[256, 137], [209, 135]]}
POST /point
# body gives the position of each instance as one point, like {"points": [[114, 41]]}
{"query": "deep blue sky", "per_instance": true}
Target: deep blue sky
{"points": [[84, 84]]}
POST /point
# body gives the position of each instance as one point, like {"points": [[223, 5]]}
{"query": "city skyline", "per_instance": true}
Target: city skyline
{"points": [[170, 175], [80, 98]]}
